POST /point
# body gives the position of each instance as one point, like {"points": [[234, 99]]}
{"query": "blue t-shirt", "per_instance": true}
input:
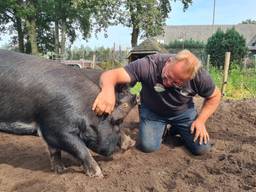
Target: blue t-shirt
{"points": [[173, 100]]}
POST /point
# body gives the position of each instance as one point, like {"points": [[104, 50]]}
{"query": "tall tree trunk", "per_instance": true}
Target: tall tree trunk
{"points": [[20, 34], [135, 35], [135, 23], [63, 36], [31, 26], [18, 26], [56, 37]]}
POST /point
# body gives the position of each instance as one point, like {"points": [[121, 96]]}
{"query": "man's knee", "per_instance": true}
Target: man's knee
{"points": [[200, 149], [148, 147]]}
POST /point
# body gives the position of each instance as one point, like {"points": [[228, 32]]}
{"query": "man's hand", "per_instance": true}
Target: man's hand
{"points": [[209, 107], [106, 99], [104, 102], [199, 130]]}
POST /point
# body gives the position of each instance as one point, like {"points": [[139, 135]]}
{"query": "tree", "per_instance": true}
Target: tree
{"points": [[249, 21], [21, 14], [147, 17], [188, 44], [236, 44], [47, 24], [10, 11], [221, 42], [30, 14]]}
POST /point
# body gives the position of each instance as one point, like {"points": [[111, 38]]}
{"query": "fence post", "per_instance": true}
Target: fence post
{"points": [[93, 60], [254, 61], [225, 77], [208, 63], [245, 63], [113, 56]]}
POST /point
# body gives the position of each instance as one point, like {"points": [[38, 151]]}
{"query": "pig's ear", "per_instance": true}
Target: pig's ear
{"points": [[104, 116], [83, 123], [120, 87], [116, 118], [86, 125]]}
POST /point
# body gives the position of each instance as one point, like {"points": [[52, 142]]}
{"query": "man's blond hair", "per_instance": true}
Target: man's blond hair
{"points": [[193, 64]]}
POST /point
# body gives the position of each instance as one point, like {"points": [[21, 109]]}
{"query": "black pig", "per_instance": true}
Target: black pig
{"points": [[125, 101], [59, 99]]}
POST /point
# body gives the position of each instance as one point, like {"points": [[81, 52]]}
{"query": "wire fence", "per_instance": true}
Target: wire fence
{"points": [[241, 80]]}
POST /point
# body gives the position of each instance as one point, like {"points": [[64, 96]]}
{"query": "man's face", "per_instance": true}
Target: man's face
{"points": [[174, 75]]}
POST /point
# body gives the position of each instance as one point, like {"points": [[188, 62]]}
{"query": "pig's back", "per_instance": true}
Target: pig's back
{"points": [[31, 85]]}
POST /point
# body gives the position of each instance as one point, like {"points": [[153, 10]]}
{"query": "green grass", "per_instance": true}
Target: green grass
{"points": [[241, 83], [136, 89]]}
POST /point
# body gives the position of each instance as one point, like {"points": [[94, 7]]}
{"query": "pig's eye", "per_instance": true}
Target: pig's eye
{"points": [[125, 105], [116, 122], [117, 129], [94, 128], [103, 117]]}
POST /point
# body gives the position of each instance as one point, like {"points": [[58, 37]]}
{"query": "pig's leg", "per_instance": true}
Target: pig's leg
{"points": [[19, 128], [72, 144], [55, 156]]}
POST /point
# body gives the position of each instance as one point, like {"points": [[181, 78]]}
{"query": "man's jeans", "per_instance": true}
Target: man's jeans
{"points": [[152, 127]]}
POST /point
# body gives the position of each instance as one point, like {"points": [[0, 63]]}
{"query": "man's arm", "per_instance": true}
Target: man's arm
{"points": [[105, 101], [209, 107]]}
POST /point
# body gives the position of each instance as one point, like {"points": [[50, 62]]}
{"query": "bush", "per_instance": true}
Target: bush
{"points": [[221, 42], [188, 44], [106, 65], [196, 47]]}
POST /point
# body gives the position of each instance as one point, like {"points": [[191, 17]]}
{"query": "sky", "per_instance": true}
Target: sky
{"points": [[199, 13]]}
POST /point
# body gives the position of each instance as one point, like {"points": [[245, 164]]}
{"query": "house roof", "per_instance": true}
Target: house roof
{"points": [[203, 32], [149, 46]]}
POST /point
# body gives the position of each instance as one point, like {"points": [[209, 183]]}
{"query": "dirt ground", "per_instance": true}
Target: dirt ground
{"points": [[231, 166]]}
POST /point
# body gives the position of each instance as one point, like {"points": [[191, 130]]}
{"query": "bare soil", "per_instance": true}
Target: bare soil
{"points": [[230, 166]]}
